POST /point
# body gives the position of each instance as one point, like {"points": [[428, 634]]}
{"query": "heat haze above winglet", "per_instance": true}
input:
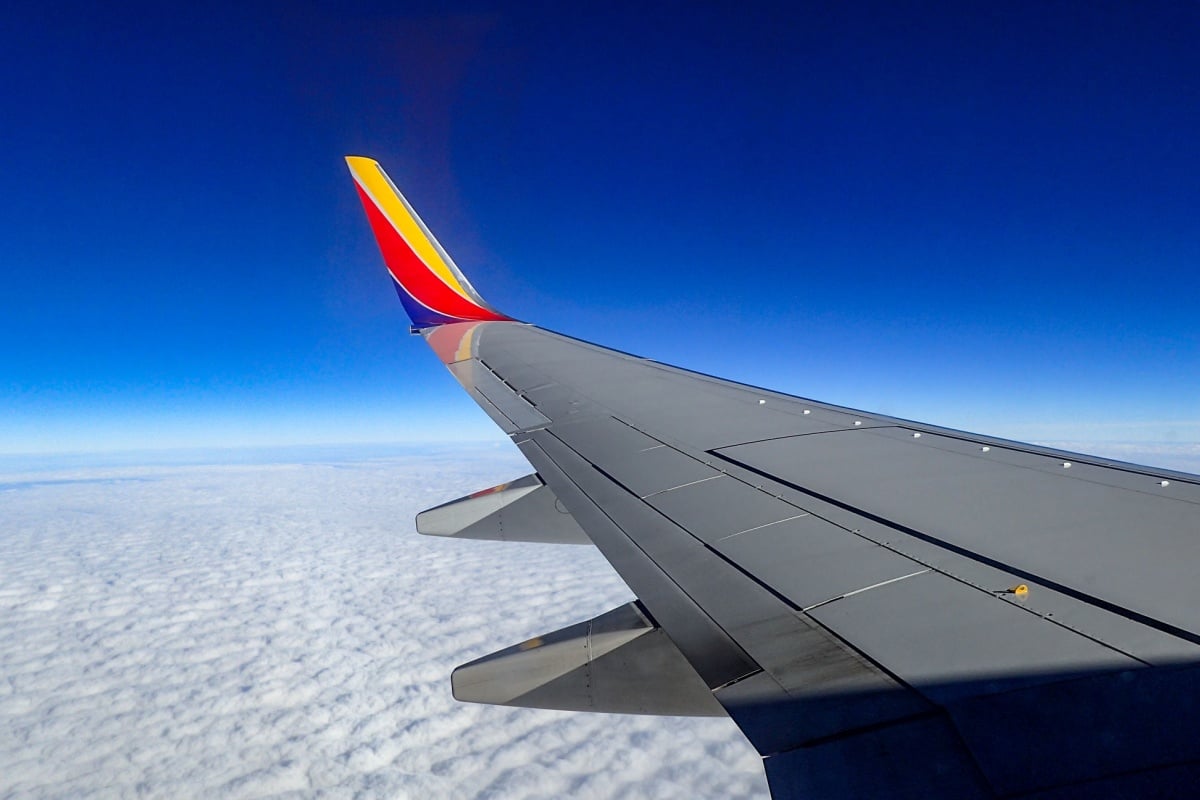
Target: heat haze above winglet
{"points": [[431, 287]]}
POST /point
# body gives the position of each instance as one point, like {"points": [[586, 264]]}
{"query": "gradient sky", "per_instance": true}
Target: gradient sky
{"points": [[984, 216]]}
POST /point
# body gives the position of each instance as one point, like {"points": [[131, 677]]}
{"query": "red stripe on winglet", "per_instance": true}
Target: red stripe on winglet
{"points": [[407, 268]]}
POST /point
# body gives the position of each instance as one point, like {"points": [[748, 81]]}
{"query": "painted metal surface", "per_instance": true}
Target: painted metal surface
{"points": [[812, 561], [523, 510], [885, 608], [430, 285], [945, 638], [903, 648], [478, 380], [619, 662], [1136, 549], [711, 651]]}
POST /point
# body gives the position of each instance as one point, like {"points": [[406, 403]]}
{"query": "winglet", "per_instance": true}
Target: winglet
{"points": [[430, 285]]}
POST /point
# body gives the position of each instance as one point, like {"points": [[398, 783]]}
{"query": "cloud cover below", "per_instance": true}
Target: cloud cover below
{"points": [[262, 630]]}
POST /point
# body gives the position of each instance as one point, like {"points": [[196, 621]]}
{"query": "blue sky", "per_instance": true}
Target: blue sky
{"points": [[983, 216]]}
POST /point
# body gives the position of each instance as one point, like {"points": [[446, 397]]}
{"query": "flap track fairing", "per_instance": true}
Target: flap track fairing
{"points": [[620, 662], [524, 510]]}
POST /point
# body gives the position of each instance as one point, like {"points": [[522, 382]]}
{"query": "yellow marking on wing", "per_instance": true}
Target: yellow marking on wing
{"points": [[370, 176], [466, 345]]}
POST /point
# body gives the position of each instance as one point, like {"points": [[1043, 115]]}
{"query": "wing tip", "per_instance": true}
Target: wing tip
{"points": [[358, 162], [430, 286]]}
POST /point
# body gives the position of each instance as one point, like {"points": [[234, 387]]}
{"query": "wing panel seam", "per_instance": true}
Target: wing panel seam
{"points": [[788, 604], [1135, 616], [665, 575], [930, 540]]}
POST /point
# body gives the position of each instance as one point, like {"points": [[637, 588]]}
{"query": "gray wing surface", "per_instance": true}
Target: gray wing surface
{"points": [[885, 608]]}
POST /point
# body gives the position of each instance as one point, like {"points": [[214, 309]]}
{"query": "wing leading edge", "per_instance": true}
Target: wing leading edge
{"points": [[885, 608]]}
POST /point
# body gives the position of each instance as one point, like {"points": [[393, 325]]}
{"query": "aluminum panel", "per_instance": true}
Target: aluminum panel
{"points": [[684, 407], [560, 403], [949, 640], [723, 506], [810, 561], [523, 415], [661, 469], [518, 375], [819, 705], [1121, 632], [707, 419], [919, 494], [606, 441], [1095, 469], [472, 375], [1126, 633], [1109, 724], [715, 656], [639, 463], [910, 760], [825, 684], [1127, 548]]}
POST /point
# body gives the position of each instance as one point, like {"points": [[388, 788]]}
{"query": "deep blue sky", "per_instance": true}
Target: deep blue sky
{"points": [[984, 215]]}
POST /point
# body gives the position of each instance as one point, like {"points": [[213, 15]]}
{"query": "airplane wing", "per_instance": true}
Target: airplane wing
{"points": [[885, 608]]}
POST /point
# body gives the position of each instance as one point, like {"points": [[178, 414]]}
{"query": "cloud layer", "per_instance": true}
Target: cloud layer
{"points": [[280, 630]]}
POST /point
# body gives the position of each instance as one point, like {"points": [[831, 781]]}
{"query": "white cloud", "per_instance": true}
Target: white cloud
{"points": [[280, 630]]}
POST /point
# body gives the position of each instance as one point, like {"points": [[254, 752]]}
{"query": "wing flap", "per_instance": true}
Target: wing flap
{"points": [[714, 655], [826, 686]]}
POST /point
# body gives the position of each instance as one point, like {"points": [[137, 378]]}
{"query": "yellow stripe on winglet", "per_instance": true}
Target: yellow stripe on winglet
{"points": [[466, 345], [371, 178]]}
